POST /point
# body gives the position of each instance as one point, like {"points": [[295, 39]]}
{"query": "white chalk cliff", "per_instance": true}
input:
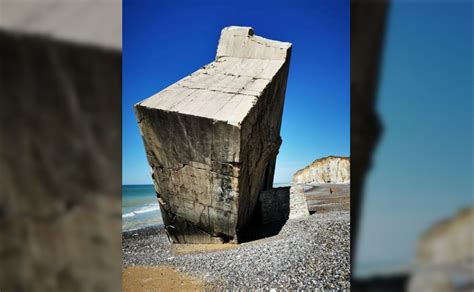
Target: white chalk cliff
{"points": [[445, 256], [331, 169]]}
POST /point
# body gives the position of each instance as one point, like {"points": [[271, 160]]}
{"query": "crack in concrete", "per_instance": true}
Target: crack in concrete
{"points": [[216, 90], [266, 45], [210, 169]]}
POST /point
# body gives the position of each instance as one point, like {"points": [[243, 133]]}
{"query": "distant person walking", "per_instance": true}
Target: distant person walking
{"points": [[330, 191]]}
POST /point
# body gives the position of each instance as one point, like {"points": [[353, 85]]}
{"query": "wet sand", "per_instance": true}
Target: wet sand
{"points": [[200, 248], [162, 278]]}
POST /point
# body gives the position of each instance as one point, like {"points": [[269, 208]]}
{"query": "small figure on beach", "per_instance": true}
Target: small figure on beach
{"points": [[330, 191]]}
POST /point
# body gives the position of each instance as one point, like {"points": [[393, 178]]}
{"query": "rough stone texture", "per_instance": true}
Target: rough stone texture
{"points": [[331, 169], [60, 206], [275, 205], [212, 138], [298, 205], [445, 256]]}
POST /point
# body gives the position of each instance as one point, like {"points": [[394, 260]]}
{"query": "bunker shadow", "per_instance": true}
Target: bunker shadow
{"points": [[271, 213]]}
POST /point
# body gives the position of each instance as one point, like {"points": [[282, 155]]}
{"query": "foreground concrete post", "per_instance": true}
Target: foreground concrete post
{"points": [[298, 204], [212, 138]]}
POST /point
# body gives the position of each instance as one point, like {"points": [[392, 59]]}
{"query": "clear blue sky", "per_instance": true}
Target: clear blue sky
{"points": [[422, 169], [165, 41]]}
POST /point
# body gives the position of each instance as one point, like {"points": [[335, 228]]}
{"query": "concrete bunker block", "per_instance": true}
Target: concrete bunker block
{"points": [[212, 138]]}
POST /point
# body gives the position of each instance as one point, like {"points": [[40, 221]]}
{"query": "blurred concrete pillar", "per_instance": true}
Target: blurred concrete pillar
{"points": [[367, 32], [60, 116]]}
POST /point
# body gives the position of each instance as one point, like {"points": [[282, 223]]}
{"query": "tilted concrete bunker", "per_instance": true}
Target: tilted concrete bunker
{"points": [[212, 138]]}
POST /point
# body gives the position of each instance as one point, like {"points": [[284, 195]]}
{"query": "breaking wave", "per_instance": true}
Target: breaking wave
{"points": [[145, 209]]}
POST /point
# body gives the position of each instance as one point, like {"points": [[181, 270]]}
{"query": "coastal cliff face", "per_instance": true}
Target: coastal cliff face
{"points": [[331, 169], [444, 256], [449, 241]]}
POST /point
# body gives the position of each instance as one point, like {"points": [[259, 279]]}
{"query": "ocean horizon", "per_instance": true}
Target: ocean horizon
{"points": [[140, 207]]}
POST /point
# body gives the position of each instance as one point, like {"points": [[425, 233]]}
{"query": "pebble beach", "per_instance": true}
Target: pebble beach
{"points": [[307, 254]]}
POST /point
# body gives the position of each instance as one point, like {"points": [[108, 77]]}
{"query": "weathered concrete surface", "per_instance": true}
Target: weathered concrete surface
{"points": [[212, 138], [60, 205], [298, 205], [445, 256], [274, 205], [331, 169]]}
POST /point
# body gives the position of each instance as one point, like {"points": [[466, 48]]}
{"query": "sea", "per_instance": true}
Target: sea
{"points": [[140, 207]]}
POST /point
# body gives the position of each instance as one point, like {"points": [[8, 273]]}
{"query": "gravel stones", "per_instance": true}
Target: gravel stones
{"points": [[308, 253]]}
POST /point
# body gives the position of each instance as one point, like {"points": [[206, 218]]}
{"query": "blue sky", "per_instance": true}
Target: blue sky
{"points": [[164, 42], [422, 169]]}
